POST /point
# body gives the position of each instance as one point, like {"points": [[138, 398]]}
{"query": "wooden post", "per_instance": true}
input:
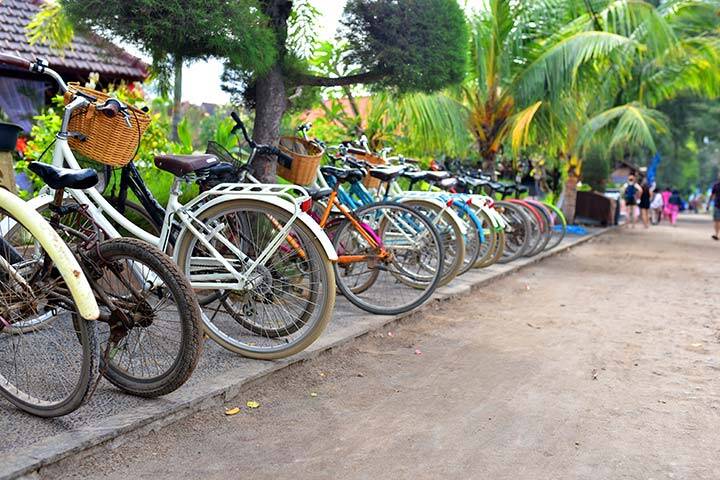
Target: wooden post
{"points": [[7, 172]]}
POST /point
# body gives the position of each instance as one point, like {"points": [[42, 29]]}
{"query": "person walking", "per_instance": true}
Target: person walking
{"points": [[714, 200], [631, 192], [666, 194], [657, 205], [645, 194], [675, 206]]}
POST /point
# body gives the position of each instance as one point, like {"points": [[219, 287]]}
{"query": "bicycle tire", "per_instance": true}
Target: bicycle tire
{"points": [[234, 333], [546, 225], [424, 288], [158, 269], [65, 345], [451, 236], [517, 236], [559, 226], [536, 227], [473, 241], [488, 249]]}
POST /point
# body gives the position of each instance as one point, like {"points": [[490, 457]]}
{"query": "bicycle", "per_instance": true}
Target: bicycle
{"points": [[375, 239], [48, 343], [150, 324], [459, 240], [259, 296], [379, 238]]}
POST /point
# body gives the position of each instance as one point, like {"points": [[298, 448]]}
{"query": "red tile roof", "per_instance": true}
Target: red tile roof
{"points": [[88, 53]]}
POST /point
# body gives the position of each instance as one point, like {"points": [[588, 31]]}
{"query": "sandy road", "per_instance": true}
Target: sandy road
{"points": [[602, 363]]}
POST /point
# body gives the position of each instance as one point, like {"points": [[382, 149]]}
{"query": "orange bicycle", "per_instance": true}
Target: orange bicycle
{"points": [[390, 256]]}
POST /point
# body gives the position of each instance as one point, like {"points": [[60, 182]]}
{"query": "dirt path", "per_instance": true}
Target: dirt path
{"points": [[602, 363]]}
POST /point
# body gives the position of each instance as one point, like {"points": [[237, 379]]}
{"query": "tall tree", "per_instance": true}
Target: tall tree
{"points": [[408, 46], [175, 32]]}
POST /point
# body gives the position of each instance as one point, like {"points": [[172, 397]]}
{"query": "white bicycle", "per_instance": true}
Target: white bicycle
{"points": [[261, 266]]}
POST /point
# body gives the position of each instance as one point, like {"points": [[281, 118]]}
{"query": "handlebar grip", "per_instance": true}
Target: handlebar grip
{"points": [[110, 108], [236, 117], [284, 159], [15, 61]]}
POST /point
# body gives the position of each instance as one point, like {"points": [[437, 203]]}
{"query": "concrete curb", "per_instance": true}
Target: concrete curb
{"points": [[116, 430]]}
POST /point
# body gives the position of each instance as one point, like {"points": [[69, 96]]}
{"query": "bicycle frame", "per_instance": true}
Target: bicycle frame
{"points": [[62, 257], [357, 225]]}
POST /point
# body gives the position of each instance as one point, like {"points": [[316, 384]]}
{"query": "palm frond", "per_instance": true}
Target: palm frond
{"points": [[520, 126], [556, 69], [635, 125]]}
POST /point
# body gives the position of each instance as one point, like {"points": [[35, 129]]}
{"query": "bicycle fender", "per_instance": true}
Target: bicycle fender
{"points": [[59, 252], [302, 217]]}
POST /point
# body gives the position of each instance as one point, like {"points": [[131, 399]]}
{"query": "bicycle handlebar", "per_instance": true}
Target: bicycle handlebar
{"points": [[15, 61], [37, 66], [241, 126], [110, 108], [284, 159]]}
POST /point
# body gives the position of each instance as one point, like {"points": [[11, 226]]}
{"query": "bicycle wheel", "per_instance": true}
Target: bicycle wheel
{"points": [[290, 298], [517, 232], [473, 240], [151, 335], [451, 235], [410, 273], [545, 225], [559, 226], [536, 227], [48, 353], [490, 238]]}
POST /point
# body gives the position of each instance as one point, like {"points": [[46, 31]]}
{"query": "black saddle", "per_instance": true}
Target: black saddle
{"points": [[318, 193], [180, 165], [343, 174], [386, 174], [427, 176], [57, 178]]}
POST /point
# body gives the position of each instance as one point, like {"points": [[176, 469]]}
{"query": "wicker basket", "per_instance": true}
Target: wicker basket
{"points": [[372, 159], [107, 140], [306, 157]]}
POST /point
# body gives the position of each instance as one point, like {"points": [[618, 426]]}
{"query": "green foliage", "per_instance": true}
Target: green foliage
{"points": [[51, 27], [414, 45], [173, 31]]}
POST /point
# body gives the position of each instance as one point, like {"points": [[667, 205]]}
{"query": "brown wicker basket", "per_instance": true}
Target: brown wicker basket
{"points": [[306, 157], [108, 140], [372, 159]]}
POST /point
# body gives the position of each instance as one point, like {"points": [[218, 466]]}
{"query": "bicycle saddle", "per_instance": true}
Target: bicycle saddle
{"points": [[427, 175], [343, 174], [180, 165], [57, 178], [386, 174], [318, 193], [448, 183]]}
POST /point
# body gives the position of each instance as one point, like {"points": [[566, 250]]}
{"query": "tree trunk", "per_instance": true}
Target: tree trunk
{"points": [[570, 196], [270, 105], [177, 96]]}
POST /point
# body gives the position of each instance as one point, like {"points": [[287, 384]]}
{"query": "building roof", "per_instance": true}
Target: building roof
{"points": [[88, 52]]}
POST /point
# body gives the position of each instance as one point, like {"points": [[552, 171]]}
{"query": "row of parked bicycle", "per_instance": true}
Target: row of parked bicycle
{"points": [[125, 288]]}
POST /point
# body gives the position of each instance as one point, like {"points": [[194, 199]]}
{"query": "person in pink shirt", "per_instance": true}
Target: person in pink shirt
{"points": [[667, 208]]}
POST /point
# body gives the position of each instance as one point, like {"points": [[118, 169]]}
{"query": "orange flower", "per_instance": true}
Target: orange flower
{"points": [[21, 145]]}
